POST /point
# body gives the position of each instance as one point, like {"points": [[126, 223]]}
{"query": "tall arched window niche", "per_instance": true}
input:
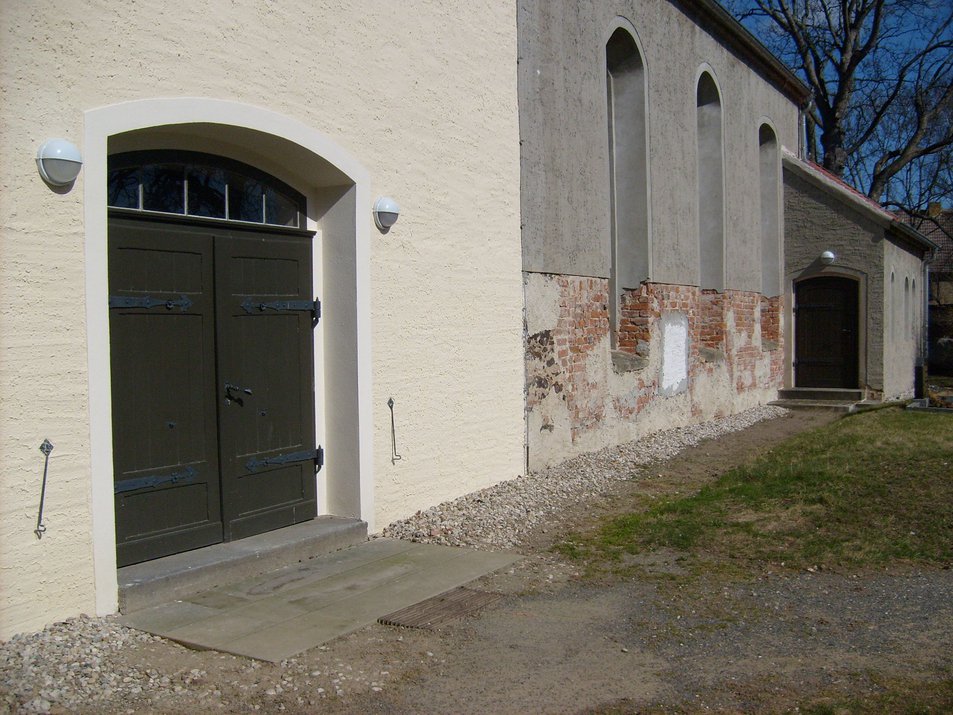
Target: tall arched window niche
{"points": [[711, 185], [907, 309], [628, 167], [892, 307], [769, 180]]}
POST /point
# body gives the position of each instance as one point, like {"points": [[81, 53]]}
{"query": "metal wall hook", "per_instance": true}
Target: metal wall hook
{"points": [[394, 457], [46, 448]]}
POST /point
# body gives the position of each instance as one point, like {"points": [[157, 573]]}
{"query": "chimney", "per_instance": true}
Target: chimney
{"points": [[934, 209]]}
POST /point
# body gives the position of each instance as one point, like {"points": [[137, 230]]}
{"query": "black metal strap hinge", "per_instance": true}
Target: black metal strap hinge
{"points": [[147, 301], [312, 306], [256, 465], [183, 476]]}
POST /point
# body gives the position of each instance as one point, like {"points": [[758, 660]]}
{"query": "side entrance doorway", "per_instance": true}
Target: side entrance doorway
{"points": [[826, 335], [211, 352]]}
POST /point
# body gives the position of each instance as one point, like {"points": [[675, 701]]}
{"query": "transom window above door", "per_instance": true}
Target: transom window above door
{"points": [[202, 186]]}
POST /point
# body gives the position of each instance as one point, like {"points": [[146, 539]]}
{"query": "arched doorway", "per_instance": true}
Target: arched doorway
{"points": [[337, 189], [826, 334], [211, 354]]}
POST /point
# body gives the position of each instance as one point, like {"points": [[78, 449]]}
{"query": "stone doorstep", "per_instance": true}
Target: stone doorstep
{"points": [[180, 575], [820, 398], [821, 394], [831, 405]]}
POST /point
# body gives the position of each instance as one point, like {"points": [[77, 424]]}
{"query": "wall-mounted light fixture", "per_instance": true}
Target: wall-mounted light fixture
{"points": [[59, 162], [386, 212], [827, 257]]}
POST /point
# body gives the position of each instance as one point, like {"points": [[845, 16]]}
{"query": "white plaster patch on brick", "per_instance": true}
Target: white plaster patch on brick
{"points": [[674, 378], [542, 302]]}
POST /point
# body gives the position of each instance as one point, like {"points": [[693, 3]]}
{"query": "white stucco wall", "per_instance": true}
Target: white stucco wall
{"points": [[423, 101], [903, 319]]}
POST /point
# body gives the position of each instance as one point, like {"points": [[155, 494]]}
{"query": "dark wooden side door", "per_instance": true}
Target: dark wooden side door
{"points": [[164, 413], [265, 356], [212, 384], [826, 333]]}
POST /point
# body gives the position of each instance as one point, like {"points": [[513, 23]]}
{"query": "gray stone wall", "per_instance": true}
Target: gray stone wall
{"points": [[816, 220], [565, 200]]}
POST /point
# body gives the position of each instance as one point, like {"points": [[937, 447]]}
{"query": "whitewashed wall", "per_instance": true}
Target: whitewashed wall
{"points": [[422, 98]]}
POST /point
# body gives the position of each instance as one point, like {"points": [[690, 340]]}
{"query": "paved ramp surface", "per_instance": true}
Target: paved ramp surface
{"points": [[282, 613]]}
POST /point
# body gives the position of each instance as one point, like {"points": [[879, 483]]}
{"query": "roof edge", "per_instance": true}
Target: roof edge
{"points": [[849, 195], [716, 20]]}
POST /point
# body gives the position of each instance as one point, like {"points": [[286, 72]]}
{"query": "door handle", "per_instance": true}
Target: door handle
{"points": [[230, 396]]}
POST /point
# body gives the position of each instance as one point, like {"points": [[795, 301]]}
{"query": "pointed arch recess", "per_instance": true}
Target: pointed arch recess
{"points": [[626, 101], [769, 175], [710, 183]]}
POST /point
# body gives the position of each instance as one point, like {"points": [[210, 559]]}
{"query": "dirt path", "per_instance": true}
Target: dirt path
{"points": [[651, 639]]}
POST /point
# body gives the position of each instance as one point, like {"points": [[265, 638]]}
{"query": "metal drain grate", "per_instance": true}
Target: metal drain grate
{"points": [[437, 611]]}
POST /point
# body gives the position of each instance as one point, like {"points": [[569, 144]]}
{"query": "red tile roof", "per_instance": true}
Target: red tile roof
{"points": [[939, 229]]}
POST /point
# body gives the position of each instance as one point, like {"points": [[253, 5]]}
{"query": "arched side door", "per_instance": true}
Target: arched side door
{"points": [[826, 333], [211, 352]]}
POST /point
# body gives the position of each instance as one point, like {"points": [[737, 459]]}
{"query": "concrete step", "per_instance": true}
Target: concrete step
{"points": [[831, 405], [821, 394], [180, 575]]}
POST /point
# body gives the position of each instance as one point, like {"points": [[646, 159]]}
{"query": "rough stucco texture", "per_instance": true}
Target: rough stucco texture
{"points": [[396, 90], [564, 152], [583, 396]]}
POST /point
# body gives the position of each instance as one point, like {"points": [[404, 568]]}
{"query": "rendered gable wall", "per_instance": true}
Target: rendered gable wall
{"points": [[583, 392], [421, 103], [821, 216]]}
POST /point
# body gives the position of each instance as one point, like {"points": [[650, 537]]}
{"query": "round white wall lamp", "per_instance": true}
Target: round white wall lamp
{"points": [[827, 257], [386, 212], [59, 162]]}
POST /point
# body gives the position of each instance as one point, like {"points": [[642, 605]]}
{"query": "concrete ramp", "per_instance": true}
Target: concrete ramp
{"points": [[279, 614]]}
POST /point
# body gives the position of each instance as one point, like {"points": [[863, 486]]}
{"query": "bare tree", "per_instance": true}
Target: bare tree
{"points": [[881, 73]]}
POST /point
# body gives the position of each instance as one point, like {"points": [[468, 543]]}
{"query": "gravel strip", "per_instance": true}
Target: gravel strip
{"points": [[498, 516], [72, 665], [82, 664]]}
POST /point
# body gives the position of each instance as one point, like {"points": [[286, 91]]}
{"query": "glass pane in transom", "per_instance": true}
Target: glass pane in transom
{"points": [[280, 210], [245, 199], [206, 191], [122, 188], [163, 188]]}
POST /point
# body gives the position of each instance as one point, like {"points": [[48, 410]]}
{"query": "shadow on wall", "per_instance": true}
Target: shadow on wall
{"points": [[941, 339]]}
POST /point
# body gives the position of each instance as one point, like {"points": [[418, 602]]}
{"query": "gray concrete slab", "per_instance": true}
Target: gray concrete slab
{"points": [[181, 575], [284, 612]]}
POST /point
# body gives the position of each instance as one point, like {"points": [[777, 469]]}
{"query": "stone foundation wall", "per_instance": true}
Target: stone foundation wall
{"points": [[582, 394]]}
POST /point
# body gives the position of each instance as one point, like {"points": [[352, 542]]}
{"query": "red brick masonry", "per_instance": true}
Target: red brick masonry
{"points": [[736, 332]]}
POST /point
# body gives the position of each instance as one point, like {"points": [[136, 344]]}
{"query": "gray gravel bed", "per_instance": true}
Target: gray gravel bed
{"points": [[498, 516], [82, 664], [71, 665]]}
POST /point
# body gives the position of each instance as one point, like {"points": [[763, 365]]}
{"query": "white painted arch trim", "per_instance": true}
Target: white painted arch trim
{"points": [[99, 125]]}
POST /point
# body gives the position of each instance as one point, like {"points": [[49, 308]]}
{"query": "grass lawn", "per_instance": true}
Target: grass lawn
{"points": [[872, 489]]}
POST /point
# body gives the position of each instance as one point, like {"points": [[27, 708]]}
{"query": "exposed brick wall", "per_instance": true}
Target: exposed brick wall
{"points": [[557, 359], [742, 344], [771, 318], [583, 323], [642, 307], [712, 318], [572, 360]]}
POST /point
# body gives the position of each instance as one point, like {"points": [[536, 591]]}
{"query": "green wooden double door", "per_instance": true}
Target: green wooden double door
{"points": [[212, 384]]}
